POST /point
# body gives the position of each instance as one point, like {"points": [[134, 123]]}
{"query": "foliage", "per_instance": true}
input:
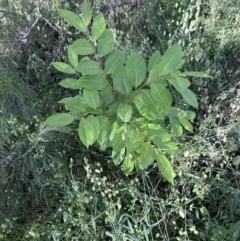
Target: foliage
{"points": [[119, 106]]}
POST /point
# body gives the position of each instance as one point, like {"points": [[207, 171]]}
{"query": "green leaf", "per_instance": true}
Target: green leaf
{"points": [[105, 130], [161, 138], [75, 105], [190, 98], [89, 130], [107, 94], [59, 120], [87, 13], [128, 164], [136, 69], [93, 82], [118, 156], [146, 105], [72, 19], [154, 60], [161, 96], [176, 127], [179, 83], [171, 60], [124, 112], [98, 26], [121, 82], [82, 47], [133, 139], [92, 98], [186, 124], [88, 67], [70, 84], [114, 60], [147, 156], [65, 68], [117, 137], [165, 167], [72, 57], [196, 74], [105, 43]]}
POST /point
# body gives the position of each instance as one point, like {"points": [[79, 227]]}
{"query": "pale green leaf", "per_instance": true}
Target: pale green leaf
{"points": [[128, 164], [105, 130], [196, 74], [105, 43], [114, 60], [124, 112], [186, 124], [165, 167], [121, 82], [59, 120], [118, 156], [89, 130], [171, 60], [93, 82], [176, 127], [154, 60], [133, 139], [72, 57], [65, 68], [190, 98], [92, 98], [75, 105], [179, 83], [136, 69], [87, 13], [70, 84], [161, 96], [82, 47], [117, 137], [72, 19], [147, 155], [146, 105], [98, 27], [88, 67]]}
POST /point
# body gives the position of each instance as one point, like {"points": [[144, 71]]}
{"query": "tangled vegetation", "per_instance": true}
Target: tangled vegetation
{"points": [[54, 188]]}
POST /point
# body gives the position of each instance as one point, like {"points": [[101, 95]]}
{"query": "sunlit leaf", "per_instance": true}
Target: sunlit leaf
{"points": [[136, 69], [98, 27], [65, 68], [72, 19], [165, 167], [82, 47], [105, 43], [59, 120], [186, 124], [89, 130], [176, 127], [147, 156], [124, 112]]}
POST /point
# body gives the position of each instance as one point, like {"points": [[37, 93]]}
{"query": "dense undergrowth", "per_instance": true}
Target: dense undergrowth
{"points": [[52, 188]]}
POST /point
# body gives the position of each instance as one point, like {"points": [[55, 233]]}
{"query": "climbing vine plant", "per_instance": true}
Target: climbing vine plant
{"points": [[123, 102]]}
